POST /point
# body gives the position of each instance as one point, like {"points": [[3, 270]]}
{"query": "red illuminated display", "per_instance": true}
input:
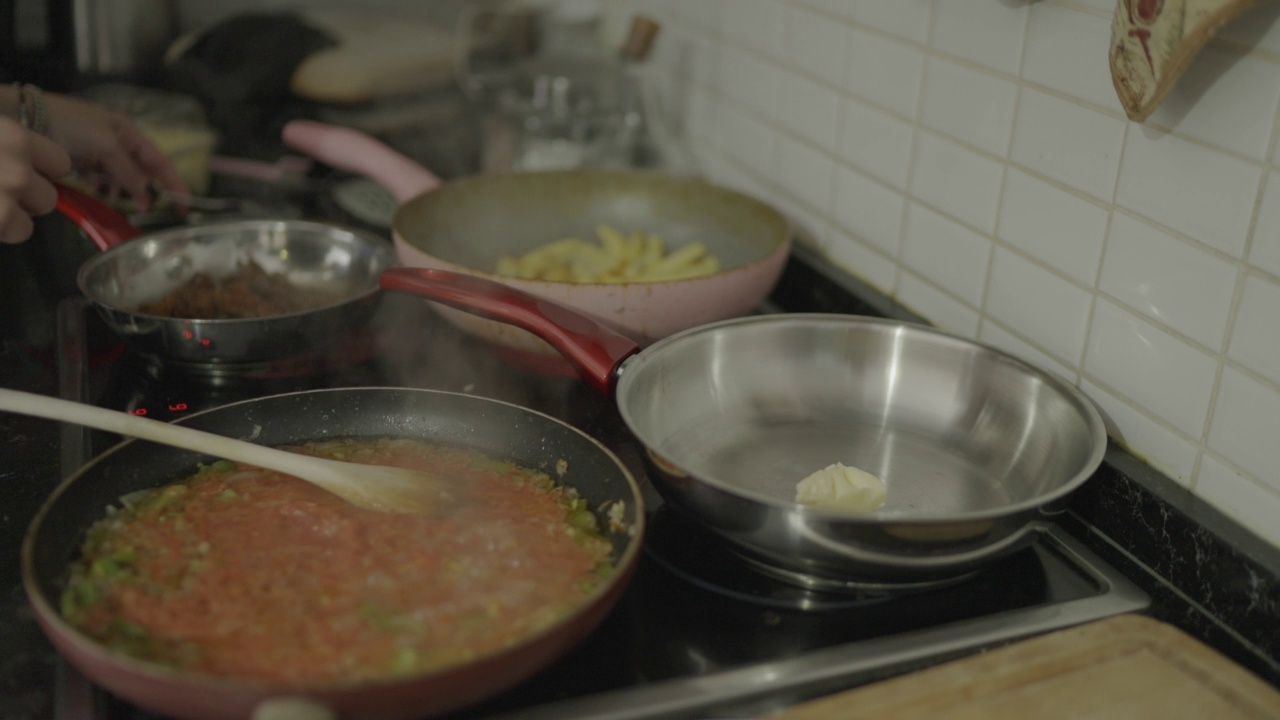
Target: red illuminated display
{"points": [[189, 335], [171, 407]]}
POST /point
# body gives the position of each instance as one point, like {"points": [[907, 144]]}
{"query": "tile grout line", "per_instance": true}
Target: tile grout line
{"points": [[1237, 298], [1004, 184]]}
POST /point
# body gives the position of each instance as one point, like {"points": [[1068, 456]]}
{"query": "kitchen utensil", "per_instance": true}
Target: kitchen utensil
{"points": [[498, 429], [389, 489], [311, 255], [1127, 666], [465, 225], [976, 447]]}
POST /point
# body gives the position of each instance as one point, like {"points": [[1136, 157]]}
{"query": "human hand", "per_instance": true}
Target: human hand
{"points": [[108, 146], [29, 163]]}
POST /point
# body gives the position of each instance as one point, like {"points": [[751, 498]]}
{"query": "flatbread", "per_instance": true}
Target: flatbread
{"points": [[1153, 42]]}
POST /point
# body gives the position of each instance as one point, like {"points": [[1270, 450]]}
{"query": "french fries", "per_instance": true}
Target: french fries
{"points": [[618, 258]]}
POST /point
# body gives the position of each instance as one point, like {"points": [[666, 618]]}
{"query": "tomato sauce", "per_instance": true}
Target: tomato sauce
{"points": [[247, 573]]}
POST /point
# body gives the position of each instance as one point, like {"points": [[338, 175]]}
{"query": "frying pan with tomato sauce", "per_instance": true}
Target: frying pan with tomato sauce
{"points": [[497, 429]]}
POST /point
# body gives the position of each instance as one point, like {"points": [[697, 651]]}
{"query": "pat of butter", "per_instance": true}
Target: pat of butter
{"points": [[839, 487]]}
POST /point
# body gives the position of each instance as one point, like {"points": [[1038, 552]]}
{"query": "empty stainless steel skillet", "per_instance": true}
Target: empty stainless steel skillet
{"points": [[976, 446]]}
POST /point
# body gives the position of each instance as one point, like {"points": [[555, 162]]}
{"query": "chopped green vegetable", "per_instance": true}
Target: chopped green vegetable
{"points": [[80, 594], [130, 630], [582, 520], [405, 661], [104, 568]]}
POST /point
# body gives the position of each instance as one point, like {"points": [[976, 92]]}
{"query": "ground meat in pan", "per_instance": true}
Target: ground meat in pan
{"points": [[249, 292]]}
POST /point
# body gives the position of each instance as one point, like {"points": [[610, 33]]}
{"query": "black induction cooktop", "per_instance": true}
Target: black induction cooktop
{"points": [[698, 631]]}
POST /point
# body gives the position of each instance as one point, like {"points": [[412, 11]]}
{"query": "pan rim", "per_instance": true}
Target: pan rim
{"points": [[624, 567], [1089, 412], [379, 248], [780, 236]]}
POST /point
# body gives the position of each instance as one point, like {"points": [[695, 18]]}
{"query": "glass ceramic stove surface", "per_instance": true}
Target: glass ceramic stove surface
{"points": [[699, 631]]}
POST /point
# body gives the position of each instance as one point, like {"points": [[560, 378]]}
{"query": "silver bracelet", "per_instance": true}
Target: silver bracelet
{"points": [[31, 111]]}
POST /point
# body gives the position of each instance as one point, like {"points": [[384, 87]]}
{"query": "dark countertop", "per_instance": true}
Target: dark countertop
{"points": [[29, 457], [1204, 572]]}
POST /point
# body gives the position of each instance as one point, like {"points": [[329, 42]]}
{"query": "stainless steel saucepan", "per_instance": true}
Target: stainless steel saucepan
{"points": [[976, 447], [134, 268]]}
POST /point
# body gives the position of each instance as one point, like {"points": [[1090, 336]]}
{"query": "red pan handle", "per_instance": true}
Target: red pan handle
{"points": [[356, 152], [593, 349], [105, 226]]}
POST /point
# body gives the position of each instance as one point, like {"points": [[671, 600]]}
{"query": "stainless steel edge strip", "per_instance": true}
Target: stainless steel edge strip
{"points": [[1118, 595]]}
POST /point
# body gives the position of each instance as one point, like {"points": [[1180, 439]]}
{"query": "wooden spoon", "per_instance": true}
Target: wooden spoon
{"points": [[376, 487]]}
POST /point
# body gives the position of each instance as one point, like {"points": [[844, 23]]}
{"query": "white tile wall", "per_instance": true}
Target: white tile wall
{"points": [[1205, 194], [1074, 145], [816, 45], [1047, 309], [970, 159], [1224, 99], [1067, 53], [994, 334], [1265, 253], [1244, 429], [989, 34], [868, 210], [884, 71], [969, 105], [958, 181], [1150, 366], [1175, 282], [879, 144], [945, 252], [1053, 225], [848, 252], [1255, 343]]}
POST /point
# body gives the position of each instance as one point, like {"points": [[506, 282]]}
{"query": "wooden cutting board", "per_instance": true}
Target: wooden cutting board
{"points": [[1128, 666]]}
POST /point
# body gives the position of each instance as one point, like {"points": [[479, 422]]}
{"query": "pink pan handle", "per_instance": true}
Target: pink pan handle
{"points": [[594, 350], [105, 226], [356, 152]]}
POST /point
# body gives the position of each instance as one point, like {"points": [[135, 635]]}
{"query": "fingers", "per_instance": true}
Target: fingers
{"points": [[160, 168], [28, 164], [16, 224], [48, 157], [110, 143], [136, 163], [118, 159], [142, 164]]}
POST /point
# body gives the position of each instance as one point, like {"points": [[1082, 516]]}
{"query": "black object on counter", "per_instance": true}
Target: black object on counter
{"points": [[240, 69]]}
